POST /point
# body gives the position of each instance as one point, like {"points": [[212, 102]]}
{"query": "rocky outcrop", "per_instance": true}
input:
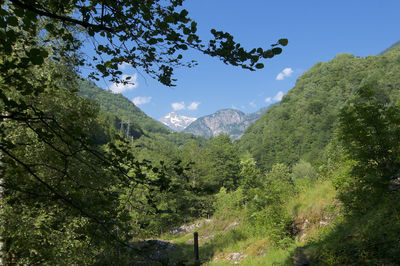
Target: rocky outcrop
{"points": [[234, 258], [228, 121], [189, 228]]}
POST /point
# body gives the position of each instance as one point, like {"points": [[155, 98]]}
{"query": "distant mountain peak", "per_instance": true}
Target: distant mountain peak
{"points": [[228, 121], [176, 121]]}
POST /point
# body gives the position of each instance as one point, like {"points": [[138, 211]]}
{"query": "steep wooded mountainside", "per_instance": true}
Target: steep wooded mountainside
{"points": [[118, 105], [228, 121], [392, 47], [304, 121]]}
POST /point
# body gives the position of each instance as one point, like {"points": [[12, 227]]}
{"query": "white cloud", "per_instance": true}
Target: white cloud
{"points": [[278, 96], [287, 72], [193, 106], [141, 100], [252, 104], [268, 100], [123, 65], [119, 87], [178, 106]]}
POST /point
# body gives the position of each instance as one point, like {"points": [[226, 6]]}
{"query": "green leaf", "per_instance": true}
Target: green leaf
{"points": [[184, 13], [152, 41], [3, 23], [44, 53], [101, 68], [37, 60], [268, 54], [36, 56], [19, 12], [49, 27], [259, 65], [283, 42], [277, 50], [11, 35], [12, 21], [193, 26], [35, 51]]}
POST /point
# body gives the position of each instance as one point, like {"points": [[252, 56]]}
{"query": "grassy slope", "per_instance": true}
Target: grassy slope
{"points": [[312, 210]]}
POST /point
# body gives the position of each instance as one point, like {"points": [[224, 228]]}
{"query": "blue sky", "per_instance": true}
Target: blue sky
{"points": [[317, 32]]}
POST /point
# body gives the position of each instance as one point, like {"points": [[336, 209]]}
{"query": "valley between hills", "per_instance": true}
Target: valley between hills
{"points": [[88, 178], [284, 192]]}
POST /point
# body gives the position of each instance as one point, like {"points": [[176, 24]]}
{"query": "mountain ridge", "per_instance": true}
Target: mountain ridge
{"points": [[303, 123], [228, 121], [176, 122], [119, 105]]}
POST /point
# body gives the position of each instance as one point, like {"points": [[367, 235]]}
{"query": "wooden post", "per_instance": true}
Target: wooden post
{"points": [[196, 248]]}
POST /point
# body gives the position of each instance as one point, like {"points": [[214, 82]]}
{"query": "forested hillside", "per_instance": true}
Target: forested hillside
{"points": [[118, 105], [306, 118]]}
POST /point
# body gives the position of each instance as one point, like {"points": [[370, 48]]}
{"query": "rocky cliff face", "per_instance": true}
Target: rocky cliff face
{"points": [[176, 122], [229, 121]]}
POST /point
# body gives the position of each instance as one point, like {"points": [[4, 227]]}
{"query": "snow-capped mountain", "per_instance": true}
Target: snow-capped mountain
{"points": [[176, 122]]}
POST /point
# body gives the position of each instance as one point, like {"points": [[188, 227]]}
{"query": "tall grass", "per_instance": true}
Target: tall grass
{"points": [[315, 202]]}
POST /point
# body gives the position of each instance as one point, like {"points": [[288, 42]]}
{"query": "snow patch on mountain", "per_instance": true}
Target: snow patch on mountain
{"points": [[176, 122]]}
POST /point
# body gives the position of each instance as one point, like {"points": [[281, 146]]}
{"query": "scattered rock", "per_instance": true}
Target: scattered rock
{"points": [[230, 226], [206, 238], [189, 228], [261, 252], [299, 227], [302, 236], [235, 258], [323, 223], [305, 224]]}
